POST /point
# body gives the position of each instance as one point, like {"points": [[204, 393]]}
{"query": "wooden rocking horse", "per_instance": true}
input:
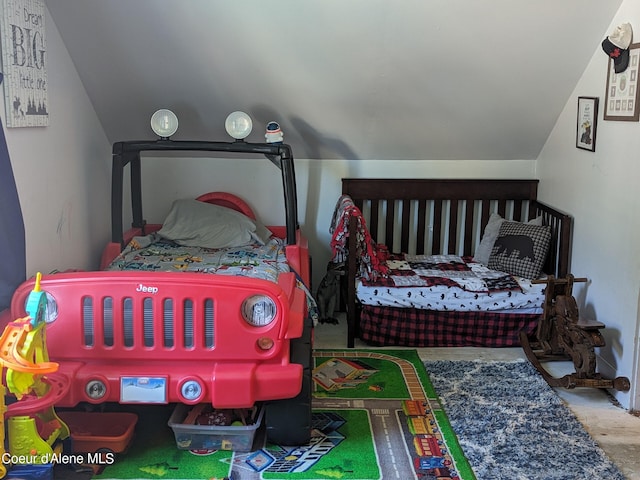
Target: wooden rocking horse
{"points": [[563, 335]]}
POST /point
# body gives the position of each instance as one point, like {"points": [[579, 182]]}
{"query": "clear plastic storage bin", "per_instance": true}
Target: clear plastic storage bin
{"points": [[212, 437]]}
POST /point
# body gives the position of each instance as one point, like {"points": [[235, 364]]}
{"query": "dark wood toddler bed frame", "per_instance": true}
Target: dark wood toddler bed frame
{"points": [[440, 216]]}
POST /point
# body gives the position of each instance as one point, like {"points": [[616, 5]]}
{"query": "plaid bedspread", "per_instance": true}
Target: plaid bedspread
{"points": [[412, 327]]}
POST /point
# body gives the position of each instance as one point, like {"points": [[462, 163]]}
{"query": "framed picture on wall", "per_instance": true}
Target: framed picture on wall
{"points": [[622, 95], [586, 123], [24, 47]]}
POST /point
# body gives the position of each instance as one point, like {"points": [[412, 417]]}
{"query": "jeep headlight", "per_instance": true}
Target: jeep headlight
{"points": [[51, 312], [259, 310]]}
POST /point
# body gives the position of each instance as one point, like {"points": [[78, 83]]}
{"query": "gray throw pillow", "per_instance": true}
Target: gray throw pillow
{"points": [[520, 249], [198, 224], [491, 230]]}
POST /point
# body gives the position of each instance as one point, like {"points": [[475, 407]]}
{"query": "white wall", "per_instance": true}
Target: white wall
{"points": [[601, 190], [357, 79], [62, 172]]}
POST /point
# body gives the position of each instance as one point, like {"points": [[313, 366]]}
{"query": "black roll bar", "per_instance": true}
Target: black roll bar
{"points": [[128, 153]]}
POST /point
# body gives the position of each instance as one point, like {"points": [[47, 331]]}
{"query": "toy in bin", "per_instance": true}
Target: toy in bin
{"points": [[203, 428]]}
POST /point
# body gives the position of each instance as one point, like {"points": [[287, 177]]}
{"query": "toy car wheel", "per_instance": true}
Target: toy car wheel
{"points": [[105, 458], [106, 455], [288, 421]]}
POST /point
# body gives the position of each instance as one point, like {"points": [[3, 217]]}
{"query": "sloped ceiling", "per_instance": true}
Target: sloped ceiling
{"points": [[355, 79]]}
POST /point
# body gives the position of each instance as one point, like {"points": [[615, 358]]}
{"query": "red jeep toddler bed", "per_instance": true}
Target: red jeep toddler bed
{"points": [[209, 307]]}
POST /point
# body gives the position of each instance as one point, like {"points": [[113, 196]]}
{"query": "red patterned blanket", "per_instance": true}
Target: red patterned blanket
{"points": [[371, 256], [447, 270]]}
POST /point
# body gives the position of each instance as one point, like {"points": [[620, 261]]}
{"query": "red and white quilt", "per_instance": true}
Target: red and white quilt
{"points": [[449, 282]]}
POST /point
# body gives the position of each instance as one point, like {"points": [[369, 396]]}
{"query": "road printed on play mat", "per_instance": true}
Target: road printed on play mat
{"points": [[406, 429], [389, 442]]}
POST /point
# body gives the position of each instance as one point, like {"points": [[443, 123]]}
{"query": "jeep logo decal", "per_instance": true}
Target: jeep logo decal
{"points": [[145, 289]]}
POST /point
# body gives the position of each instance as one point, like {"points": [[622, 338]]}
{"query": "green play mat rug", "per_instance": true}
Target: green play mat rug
{"points": [[376, 416]]}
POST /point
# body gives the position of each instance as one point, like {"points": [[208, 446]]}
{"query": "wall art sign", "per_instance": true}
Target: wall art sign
{"points": [[24, 48], [586, 123], [622, 95]]}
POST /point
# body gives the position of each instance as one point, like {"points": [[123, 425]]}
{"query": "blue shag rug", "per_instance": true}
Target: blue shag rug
{"points": [[511, 424]]}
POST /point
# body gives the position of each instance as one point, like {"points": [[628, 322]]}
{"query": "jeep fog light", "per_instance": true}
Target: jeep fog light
{"points": [[164, 123], [238, 125], [259, 310], [95, 389], [191, 390]]}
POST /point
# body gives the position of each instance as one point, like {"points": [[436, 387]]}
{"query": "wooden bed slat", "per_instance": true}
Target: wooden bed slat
{"points": [[502, 208], [453, 225], [437, 226], [406, 211], [517, 210], [468, 221], [421, 235], [486, 213], [373, 226], [389, 222]]}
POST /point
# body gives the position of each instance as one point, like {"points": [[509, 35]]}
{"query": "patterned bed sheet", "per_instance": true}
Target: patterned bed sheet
{"points": [[153, 253], [156, 254], [450, 283]]}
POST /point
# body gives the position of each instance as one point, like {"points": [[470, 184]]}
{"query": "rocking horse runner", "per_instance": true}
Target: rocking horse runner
{"points": [[562, 335]]}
